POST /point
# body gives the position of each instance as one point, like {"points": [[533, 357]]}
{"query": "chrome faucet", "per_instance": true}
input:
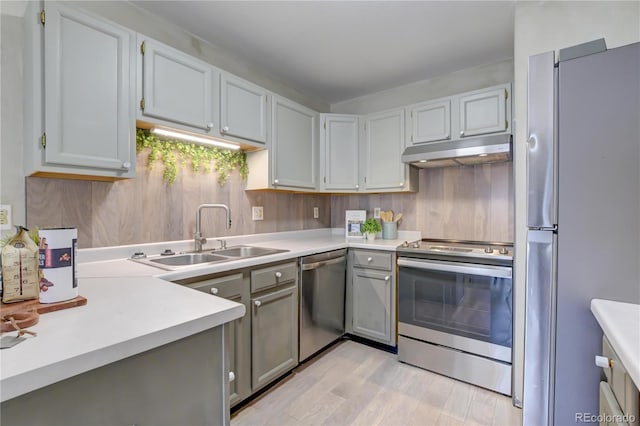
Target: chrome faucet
{"points": [[197, 238]]}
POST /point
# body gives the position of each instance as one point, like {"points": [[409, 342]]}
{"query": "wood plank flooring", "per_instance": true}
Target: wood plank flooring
{"points": [[354, 384]]}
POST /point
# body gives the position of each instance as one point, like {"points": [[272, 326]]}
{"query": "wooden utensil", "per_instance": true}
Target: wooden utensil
{"points": [[398, 217]]}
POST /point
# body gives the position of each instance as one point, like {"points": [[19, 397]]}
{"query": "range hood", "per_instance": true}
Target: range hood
{"points": [[463, 152]]}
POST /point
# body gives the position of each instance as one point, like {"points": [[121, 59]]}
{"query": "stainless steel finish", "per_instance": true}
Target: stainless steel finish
{"points": [[463, 366], [138, 255], [539, 354], [453, 341], [223, 244], [584, 49], [247, 251], [456, 267], [495, 253], [482, 149], [197, 237], [322, 295], [188, 259], [541, 144]]}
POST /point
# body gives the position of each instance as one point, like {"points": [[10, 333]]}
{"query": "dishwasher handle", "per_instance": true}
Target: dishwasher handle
{"points": [[316, 265]]}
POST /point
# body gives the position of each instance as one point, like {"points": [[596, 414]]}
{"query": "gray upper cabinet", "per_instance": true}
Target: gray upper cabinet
{"points": [[176, 89], [339, 152], [485, 111], [294, 144], [87, 90], [243, 109], [383, 146], [430, 121]]}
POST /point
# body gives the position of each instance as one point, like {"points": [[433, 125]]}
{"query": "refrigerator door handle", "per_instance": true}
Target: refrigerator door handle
{"points": [[539, 349], [541, 142]]}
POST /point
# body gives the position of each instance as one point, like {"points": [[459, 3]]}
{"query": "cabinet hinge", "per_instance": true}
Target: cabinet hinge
{"points": [[506, 124], [325, 179], [325, 125], [42, 17], [506, 94], [43, 140], [365, 179], [411, 138], [412, 115], [142, 48], [142, 104]]}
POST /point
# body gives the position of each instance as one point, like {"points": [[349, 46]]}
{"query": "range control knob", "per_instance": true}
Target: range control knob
{"points": [[488, 250], [415, 245], [504, 250], [405, 244]]}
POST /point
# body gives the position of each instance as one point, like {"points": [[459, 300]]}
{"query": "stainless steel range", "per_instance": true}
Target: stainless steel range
{"points": [[455, 310]]}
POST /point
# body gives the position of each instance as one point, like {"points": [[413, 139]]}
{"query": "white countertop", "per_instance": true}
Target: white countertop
{"points": [[133, 308], [620, 322]]}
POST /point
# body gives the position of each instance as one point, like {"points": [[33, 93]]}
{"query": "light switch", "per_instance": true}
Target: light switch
{"points": [[257, 213], [5, 217], [316, 213], [376, 213]]}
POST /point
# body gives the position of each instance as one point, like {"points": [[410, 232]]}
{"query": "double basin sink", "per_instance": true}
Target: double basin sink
{"points": [[179, 261]]}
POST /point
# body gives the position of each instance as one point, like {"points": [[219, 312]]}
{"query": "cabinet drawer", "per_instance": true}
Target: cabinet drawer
{"points": [[369, 259], [228, 287], [273, 276]]}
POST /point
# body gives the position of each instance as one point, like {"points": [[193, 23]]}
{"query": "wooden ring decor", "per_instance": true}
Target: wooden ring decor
{"points": [[19, 321]]}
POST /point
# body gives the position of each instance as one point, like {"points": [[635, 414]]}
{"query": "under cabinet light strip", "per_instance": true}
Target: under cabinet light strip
{"points": [[193, 138]]}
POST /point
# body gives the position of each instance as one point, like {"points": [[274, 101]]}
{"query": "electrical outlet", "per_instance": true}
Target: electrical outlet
{"points": [[376, 213], [5, 217], [257, 213], [316, 213]]}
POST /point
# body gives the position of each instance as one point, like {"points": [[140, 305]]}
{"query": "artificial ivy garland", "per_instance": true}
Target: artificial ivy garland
{"points": [[171, 152]]}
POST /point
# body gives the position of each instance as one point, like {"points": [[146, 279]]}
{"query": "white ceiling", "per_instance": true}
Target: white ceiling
{"points": [[339, 50]]}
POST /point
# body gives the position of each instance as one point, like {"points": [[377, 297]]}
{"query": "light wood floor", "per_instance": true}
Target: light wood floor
{"points": [[354, 384]]}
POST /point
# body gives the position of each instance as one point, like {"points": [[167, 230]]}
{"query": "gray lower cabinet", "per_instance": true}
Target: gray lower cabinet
{"points": [[371, 296], [237, 333], [274, 322], [180, 383]]}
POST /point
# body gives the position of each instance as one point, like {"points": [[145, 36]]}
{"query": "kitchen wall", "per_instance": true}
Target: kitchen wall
{"points": [[468, 203], [146, 209], [541, 27]]}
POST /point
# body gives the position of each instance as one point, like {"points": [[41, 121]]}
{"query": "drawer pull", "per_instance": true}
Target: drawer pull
{"points": [[214, 290], [387, 278], [369, 259], [232, 376], [278, 274], [257, 303]]}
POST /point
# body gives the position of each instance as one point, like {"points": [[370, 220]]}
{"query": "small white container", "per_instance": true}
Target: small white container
{"points": [[58, 263]]}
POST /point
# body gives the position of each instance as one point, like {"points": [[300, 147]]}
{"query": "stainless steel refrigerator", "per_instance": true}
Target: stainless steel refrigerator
{"points": [[583, 242]]}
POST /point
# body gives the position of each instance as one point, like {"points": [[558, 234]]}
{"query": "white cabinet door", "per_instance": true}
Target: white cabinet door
{"points": [[294, 144], [339, 152], [384, 142], [177, 88], [371, 308], [89, 78], [484, 112], [430, 121], [243, 109]]}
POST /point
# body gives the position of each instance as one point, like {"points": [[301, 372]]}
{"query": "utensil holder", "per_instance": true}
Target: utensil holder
{"points": [[389, 230]]}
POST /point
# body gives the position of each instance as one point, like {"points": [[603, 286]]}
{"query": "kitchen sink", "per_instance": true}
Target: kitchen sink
{"points": [[188, 259], [247, 251], [184, 260]]}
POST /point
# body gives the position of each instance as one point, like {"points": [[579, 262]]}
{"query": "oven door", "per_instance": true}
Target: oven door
{"points": [[464, 306]]}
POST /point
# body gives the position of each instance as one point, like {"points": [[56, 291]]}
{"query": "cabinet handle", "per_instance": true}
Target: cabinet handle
{"points": [[447, 136], [214, 290], [401, 183], [369, 259], [278, 274], [210, 126], [225, 129], [232, 376], [275, 181], [461, 132], [357, 186], [257, 303], [387, 278], [126, 165]]}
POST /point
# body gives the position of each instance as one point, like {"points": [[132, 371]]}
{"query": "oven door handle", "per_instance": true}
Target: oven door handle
{"points": [[456, 267]]}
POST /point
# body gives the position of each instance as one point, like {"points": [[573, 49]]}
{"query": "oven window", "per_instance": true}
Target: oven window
{"points": [[473, 306]]}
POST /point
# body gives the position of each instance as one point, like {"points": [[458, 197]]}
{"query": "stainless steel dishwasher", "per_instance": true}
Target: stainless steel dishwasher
{"points": [[322, 292]]}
